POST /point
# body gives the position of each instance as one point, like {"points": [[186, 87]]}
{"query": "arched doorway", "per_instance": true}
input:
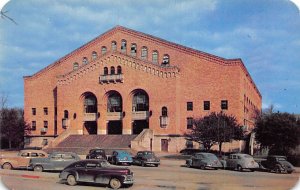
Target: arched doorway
{"points": [[89, 113], [114, 113], [140, 111]]}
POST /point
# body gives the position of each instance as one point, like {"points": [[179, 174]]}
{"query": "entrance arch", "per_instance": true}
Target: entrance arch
{"points": [[140, 111], [114, 113], [89, 113]]}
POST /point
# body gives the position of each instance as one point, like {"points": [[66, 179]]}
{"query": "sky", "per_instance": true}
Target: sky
{"points": [[265, 34]]}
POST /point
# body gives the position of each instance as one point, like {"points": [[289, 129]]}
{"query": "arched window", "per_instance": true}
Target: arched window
{"points": [[85, 60], [105, 72], [155, 56], [123, 46], [114, 46], [119, 70], [90, 104], [103, 50], [112, 70], [94, 55], [66, 114], [166, 60], [140, 101], [133, 50], [75, 66], [144, 53], [164, 111], [114, 103]]}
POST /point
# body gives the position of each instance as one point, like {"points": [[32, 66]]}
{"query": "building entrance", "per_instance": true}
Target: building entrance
{"points": [[90, 127], [114, 128], [139, 125]]}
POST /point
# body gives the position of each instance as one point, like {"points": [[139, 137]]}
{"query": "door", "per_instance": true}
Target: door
{"points": [[164, 145]]}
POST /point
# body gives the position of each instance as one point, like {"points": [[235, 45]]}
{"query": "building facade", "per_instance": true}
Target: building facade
{"points": [[125, 81]]}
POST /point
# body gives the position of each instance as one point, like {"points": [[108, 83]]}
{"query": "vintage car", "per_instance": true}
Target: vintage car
{"points": [[204, 160], [21, 160], [96, 153], [96, 171], [120, 157], [145, 158], [278, 164], [55, 161], [240, 162]]}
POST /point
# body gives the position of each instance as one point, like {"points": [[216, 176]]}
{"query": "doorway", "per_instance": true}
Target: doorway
{"points": [[164, 145]]}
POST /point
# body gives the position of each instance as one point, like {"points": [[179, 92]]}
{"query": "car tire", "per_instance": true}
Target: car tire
{"points": [[38, 168], [156, 165], [7, 166], [189, 165], [239, 168], [289, 172], [143, 164], [71, 180], [277, 169], [115, 183], [202, 167]]}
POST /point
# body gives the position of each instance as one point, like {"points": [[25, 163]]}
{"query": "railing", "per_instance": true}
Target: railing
{"points": [[140, 115], [89, 116], [114, 116], [111, 78]]}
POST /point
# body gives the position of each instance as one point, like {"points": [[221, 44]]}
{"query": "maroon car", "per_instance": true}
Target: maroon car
{"points": [[97, 171]]}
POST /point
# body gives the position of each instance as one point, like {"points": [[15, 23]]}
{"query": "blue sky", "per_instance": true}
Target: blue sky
{"points": [[265, 34]]}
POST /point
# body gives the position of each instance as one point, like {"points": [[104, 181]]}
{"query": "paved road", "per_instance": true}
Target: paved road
{"points": [[170, 175]]}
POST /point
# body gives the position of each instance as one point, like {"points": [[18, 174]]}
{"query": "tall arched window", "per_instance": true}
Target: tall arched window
{"points": [[133, 50], [105, 71], [85, 60], [103, 50], [164, 111], [94, 55], [112, 70], [66, 114], [144, 53], [123, 46], [90, 104], [75, 66], [140, 101], [166, 60], [114, 103], [114, 46], [155, 56], [119, 70]]}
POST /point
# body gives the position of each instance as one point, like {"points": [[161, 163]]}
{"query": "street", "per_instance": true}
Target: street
{"points": [[172, 174]]}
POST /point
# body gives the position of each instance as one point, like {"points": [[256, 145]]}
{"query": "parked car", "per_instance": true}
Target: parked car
{"points": [[277, 164], [190, 151], [120, 157], [55, 161], [144, 158], [96, 153], [204, 160], [21, 160], [240, 162], [97, 171]]}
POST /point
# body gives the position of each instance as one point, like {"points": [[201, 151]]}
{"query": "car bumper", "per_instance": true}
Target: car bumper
{"points": [[152, 162], [128, 179]]}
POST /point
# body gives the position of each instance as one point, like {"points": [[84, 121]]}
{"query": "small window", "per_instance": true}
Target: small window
{"points": [[123, 46], [206, 105], [75, 66], [164, 111], [91, 165], [33, 111], [224, 104], [45, 111], [144, 53], [155, 57], [105, 71], [114, 46], [25, 154], [112, 70], [45, 124], [189, 123], [33, 125], [34, 154], [66, 114], [94, 55], [189, 106], [103, 50], [85, 60], [119, 70], [166, 60], [133, 50]]}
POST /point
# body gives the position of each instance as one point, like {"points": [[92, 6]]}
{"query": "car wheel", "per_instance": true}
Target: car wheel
{"points": [[7, 166], [277, 169], [38, 168], [189, 165], [156, 165], [289, 172], [71, 180], [239, 168], [115, 183], [143, 164], [202, 167]]}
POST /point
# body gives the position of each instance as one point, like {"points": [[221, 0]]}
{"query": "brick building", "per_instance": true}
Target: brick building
{"points": [[125, 81]]}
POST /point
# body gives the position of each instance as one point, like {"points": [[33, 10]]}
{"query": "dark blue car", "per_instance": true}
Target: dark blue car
{"points": [[121, 157]]}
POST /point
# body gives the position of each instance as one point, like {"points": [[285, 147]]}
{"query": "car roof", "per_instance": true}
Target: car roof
{"points": [[33, 150]]}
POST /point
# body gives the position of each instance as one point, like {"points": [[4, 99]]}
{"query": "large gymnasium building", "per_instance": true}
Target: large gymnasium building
{"points": [[125, 82]]}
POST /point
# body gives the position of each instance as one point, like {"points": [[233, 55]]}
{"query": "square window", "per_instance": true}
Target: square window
{"points": [[45, 124], [45, 111], [224, 104], [189, 121], [33, 111], [189, 106], [206, 105], [33, 125]]}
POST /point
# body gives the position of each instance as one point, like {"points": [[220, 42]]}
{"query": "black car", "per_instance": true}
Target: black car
{"points": [[277, 164], [96, 171], [144, 158], [96, 154]]}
